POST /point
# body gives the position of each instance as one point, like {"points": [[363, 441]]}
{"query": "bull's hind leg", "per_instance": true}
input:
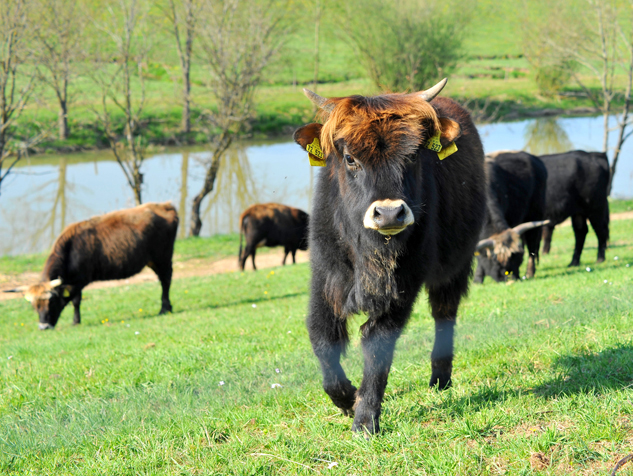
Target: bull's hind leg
{"points": [[444, 302], [378, 339], [600, 225], [286, 251], [329, 338], [164, 273], [579, 223]]}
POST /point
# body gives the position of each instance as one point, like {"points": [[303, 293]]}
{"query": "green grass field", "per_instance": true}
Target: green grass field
{"points": [[542, 380]]}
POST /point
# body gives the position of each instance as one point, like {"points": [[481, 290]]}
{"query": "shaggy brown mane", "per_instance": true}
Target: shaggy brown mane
{"points": [[379, 128]]}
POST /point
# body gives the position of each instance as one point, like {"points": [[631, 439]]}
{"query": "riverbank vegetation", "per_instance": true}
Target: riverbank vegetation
{"points": [[491, 74], [227, 384]]}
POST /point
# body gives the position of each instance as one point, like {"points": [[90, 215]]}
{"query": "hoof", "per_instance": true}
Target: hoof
{"points": [[164, 311], [440, 381], [600, 260], [343, 395], [366, 425], [573, 263]]}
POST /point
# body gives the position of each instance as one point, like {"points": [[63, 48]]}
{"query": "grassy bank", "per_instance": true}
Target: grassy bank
{"points": [[542, 376]]}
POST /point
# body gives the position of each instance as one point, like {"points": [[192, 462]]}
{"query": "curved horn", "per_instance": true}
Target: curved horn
{"points": [[318, 100], [523, 227], [487, 243], [55, 282], [19, 289], [430, 93]]}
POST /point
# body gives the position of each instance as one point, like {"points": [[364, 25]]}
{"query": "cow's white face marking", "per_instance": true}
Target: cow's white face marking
{"points": [[370, 222]]}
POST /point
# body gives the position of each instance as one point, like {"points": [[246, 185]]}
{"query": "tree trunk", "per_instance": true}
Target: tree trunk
{"points": [[138, 181], [186, 107], [63, 120], [196, 222]]}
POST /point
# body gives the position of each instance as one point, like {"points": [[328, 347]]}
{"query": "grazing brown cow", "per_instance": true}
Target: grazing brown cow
{"points": [[399, 205], [116, 245], [272, 224]]}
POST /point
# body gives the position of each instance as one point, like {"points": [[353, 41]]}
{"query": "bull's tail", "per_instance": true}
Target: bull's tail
{"points": [[239, 256]]}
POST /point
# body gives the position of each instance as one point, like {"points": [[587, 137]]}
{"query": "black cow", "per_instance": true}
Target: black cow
{"points": [[389, 216], [116, 245], [516, 194], [272, 224], [577, 188]]}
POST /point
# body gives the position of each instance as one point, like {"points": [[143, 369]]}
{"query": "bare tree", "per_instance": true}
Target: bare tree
{"points": [[58, 47], [238, 39], [118, 72], [16, 82], [597, 39], [182, 16]]}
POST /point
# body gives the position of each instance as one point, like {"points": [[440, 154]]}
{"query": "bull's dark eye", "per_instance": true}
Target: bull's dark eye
{"points": [[350, 161]]}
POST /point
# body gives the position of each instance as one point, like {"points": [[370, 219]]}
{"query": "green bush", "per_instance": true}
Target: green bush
{"points": [[407, 44]]}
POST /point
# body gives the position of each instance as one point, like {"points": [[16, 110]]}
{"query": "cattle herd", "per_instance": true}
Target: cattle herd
{"points": [[405, 200]]}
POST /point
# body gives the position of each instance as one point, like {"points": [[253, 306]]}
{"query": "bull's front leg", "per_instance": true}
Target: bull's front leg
{"points": [[444, 302], [76, 304], [329, 338], [378, 339]]}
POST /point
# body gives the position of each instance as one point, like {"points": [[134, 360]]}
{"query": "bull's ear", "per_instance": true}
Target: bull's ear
{"points": [[451, 130], [305, 135]]}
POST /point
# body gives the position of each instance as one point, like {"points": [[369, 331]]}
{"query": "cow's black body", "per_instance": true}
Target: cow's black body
{"points": [[116, 245], [577, 188], [358, 270], [272, 224], [517, 183]]}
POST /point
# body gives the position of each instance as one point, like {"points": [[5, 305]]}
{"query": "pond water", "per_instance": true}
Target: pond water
{"points": [[45, 193]]}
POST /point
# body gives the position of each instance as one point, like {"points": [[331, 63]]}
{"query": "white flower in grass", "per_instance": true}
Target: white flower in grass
{"points": [[588, 269], [254, 305], [278, 371], [221, 383], [276, 385], [606, 281], [615, 258]]}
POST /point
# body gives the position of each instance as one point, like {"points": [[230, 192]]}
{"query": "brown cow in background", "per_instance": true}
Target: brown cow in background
{"points": [[272, 224], [116, 245]]}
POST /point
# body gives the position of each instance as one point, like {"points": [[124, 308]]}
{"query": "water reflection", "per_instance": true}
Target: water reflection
{"points": [[546, 136], [46, 193], [234, 190], [184, 172]]}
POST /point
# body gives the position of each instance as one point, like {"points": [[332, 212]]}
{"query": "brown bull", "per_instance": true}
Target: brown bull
{"points": [[272, 224], [116, 245]]}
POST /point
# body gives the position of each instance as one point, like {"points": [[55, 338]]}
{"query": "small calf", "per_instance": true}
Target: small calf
{"points": [[272, 224]]}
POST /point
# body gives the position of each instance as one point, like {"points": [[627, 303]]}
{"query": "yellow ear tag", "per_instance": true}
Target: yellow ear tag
{"points": [[450, 149], [315, 154], [66, 293], [435, 145]]}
